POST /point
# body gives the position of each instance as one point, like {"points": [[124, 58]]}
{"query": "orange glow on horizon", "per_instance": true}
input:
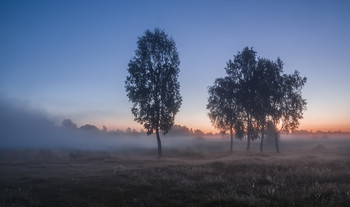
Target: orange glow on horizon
{"points": [[211, 129], [325, 127], [206, 127]]}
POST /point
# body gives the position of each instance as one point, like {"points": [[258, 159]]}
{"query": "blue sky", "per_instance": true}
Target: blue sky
{"points": [[69, 58]]}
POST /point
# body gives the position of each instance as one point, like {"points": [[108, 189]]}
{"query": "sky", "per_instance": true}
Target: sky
{"points": [[69, 59]]}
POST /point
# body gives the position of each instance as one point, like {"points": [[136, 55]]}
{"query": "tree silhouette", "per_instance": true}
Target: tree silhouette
{"points": [[278, 97], [288, 107], [242, 69], [262, 93], [67, 123], [90, 127], [152, 85], [267, 81], [224, 111]]}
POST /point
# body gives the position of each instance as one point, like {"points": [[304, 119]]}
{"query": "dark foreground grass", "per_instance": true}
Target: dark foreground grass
{"points": [[82, 178]]}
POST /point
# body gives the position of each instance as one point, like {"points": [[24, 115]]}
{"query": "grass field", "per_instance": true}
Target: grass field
{"points": [[208, 175]]}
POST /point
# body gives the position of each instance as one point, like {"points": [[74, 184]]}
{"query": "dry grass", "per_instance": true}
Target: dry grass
{"points": [[181, 178]]}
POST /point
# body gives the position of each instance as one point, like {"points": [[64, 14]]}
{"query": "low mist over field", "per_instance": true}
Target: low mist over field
{"points": [[42, 164], [21, 127], [204, 174]]}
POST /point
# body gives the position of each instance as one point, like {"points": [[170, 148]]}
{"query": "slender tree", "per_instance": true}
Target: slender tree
{"points": [[278, 97], [242, 69], [152, 85], [266, 79], [224, 111], [288, 106]]}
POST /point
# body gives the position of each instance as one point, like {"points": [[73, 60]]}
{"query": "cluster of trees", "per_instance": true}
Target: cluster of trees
{"points": [[68, 124], [179, 130], [254, 92], [176, 130]]}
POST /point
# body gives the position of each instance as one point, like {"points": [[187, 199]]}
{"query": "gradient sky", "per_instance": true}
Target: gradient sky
{"points": [[69, 58]]}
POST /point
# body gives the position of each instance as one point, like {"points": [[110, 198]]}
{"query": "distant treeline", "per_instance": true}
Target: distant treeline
{"points": [[176, 130]]}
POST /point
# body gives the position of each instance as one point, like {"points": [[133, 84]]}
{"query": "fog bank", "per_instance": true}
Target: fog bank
{"points": [[21, 127]]}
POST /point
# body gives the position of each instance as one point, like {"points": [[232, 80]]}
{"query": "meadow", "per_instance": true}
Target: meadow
{"points": [[205, 173]]}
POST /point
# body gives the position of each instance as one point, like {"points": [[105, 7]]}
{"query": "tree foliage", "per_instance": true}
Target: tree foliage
{"points": [[242, 69], [289, 109], [67, 123], [152, 85], [224, 111]]}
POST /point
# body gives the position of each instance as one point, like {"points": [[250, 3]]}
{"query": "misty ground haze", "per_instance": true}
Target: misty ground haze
{"points": [[205, 174], [22, 127], [42, 164]]}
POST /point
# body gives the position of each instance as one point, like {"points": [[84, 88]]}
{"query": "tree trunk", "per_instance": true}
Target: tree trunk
{"points": [[262, 136], [248, 143], [159, 143], [231, 133], [276, 139], [248, 134]]}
